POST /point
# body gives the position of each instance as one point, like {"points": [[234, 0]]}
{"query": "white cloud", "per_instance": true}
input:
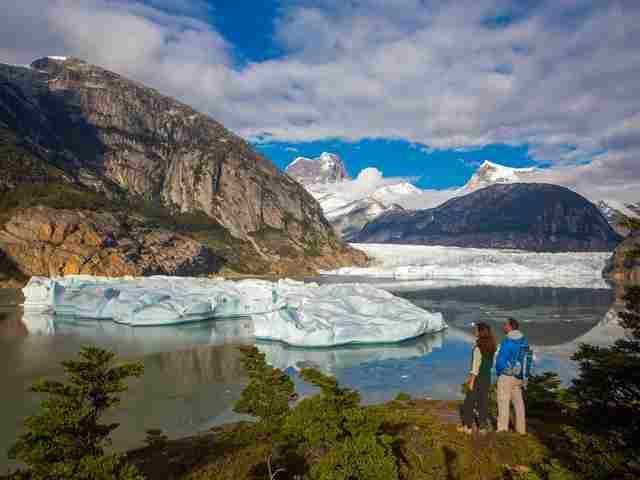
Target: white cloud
{"points": [[563, 79]]}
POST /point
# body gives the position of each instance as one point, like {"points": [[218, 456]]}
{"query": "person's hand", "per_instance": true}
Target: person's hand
{"points": [[471, 381]]}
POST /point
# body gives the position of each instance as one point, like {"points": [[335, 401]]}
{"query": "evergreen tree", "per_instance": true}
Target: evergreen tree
{"points": [[66, 439], [607, 392], [269, 391]]}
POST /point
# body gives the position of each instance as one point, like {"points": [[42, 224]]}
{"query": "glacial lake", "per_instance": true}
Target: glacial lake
{"points": [[193, 373]]}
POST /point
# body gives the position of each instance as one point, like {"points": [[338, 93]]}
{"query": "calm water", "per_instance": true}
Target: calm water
{"points": [[193, 374]]}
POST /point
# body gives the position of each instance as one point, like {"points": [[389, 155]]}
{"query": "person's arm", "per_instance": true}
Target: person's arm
{"points": [[500, 359], [475, 367]]}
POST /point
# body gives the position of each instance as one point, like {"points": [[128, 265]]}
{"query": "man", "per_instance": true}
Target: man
{"points": [[509, 368]]}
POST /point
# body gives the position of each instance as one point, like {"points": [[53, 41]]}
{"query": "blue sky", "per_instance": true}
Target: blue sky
{"points": [[432, 169], [517, 82]]}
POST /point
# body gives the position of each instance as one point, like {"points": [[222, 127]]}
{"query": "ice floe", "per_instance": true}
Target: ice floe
{"points": [[445, 266], [295, 313]]}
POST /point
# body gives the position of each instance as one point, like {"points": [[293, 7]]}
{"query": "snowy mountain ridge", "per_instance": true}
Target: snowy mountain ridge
{"points": [[350, 204]]}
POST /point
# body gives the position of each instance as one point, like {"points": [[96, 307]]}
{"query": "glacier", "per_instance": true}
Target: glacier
{"points": [[438, 267], [294, 313]]}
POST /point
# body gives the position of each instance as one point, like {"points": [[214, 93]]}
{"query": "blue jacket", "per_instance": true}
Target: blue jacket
{"points": [[509, 360]]}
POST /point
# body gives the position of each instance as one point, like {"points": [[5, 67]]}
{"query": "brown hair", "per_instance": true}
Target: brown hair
{"points": [[486, 341], [513, 322]]}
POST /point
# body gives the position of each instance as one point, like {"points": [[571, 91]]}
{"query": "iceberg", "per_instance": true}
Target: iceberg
{"points": [[291, 312], [451, 266]]}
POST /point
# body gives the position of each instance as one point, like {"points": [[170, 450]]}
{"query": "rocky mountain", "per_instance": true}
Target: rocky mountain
{"points": [[348, 207], [327, 168], [624, 266], [490, 173], [69, 130], [536, 217]]}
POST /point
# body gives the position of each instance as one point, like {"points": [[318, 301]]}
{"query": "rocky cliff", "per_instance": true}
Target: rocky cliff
{"points": [[536, 217], [67, 125], [327, 168], [624, 266]]}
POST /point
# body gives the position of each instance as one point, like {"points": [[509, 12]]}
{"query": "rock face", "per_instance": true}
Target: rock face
{"points": [[536, 217], [110, 132], [48, 242], [81, 125], [327, 168], [624, 266]]}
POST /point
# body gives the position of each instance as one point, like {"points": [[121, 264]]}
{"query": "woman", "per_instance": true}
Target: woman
{"points": [[479, 381]]}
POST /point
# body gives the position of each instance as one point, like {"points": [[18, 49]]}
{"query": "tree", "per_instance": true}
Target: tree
{"points": [[269, 391], [607, 393], [66, 439], [344, 439]]}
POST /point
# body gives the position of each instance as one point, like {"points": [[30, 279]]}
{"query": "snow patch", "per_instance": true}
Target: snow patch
{"points": [[288, 311], [60, 59]]}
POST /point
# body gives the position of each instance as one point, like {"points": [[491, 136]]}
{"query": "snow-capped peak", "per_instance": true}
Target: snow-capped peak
{"points": [[58, 58], [491, 173], [298, 159], [327, 168]]}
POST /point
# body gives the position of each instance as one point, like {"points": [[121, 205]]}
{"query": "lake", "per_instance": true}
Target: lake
{"points": [[193, 373]]}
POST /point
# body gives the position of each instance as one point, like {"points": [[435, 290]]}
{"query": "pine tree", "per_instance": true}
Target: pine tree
{"points": [[269, 391], [66, 440], [607, 392]]}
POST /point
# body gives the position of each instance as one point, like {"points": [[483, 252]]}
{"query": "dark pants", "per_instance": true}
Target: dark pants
{"points": [[477, 399]]}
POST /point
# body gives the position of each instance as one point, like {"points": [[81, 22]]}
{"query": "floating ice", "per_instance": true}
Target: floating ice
{"points": [[292, 312], [443, 266]]}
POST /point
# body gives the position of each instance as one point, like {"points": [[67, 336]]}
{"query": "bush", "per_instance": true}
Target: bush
{"points": [[402, 397], [344, 438], [66, 439], [339, 437], [545, 394], [269, 391]]}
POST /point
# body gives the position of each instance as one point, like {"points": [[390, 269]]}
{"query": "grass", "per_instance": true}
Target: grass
{"points": [[427, 446]]}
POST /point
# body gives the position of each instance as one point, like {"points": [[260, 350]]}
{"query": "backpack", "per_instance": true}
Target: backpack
{"points": [[526, 360], [521, 365]]}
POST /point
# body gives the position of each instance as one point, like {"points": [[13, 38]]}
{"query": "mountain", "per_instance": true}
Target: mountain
{"points": [[536, 217], [82, 139], [348, 206], [490, 173], [327, 168]]}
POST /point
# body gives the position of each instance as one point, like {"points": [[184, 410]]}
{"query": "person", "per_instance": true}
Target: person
{"points": [[510, 366], [479, 381]]}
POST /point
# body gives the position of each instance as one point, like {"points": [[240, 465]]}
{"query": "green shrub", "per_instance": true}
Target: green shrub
{"points": [[402, 397], [66, 439], [344, 438], [269, 391], [155, 438], [544, 393]]}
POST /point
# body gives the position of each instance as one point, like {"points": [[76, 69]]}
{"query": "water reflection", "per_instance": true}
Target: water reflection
{"points": [[193, 372]]}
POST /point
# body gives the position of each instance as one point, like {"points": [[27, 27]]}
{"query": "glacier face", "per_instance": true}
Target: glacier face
{"points": [[435, 267], [291, 312]]}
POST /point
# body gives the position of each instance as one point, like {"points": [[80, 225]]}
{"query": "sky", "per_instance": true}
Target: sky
{"points": [[420, 89]]}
